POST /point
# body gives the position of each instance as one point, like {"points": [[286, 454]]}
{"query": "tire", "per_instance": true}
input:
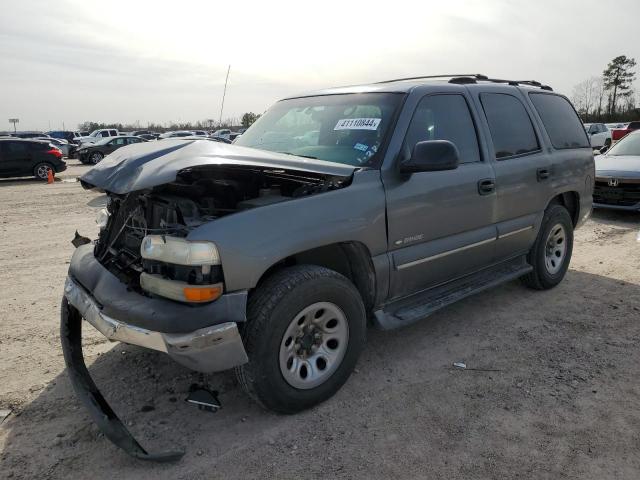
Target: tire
{"points": [[273, 340], [95, 158], [41, 170], [551, 252]]}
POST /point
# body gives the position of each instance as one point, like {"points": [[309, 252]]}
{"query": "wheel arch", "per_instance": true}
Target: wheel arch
{"points": [[569, 200], [351, 259]]}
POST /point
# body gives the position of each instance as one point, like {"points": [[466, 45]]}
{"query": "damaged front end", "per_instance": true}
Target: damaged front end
{"points": [[144, 282]]}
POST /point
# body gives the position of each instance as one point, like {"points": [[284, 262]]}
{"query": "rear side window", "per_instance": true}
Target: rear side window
{"points": [[561, 121], [511, 128], [445, 117]]}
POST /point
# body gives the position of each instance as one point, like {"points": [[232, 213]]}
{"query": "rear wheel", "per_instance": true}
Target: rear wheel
{"points": [[41, 170], [95, 157], [305, 329], [551, 252]]}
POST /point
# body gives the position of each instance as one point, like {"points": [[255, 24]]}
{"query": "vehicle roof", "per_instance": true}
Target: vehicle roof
{"points": [[408, 84], [25, 140]]}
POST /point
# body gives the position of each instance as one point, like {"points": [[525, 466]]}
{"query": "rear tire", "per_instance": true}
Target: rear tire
{"points": [[306, 327], [41, 171], [551, 252]]}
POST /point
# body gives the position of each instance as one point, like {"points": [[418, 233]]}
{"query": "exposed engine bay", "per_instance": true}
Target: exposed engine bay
{"points": [[198, 195]]}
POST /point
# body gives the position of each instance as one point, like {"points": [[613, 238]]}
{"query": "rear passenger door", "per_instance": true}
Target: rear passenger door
{"points": [[440, 224], [522, 168]]}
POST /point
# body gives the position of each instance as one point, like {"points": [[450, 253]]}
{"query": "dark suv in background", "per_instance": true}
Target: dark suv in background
{"points": [[21, 158], [94, 152]]}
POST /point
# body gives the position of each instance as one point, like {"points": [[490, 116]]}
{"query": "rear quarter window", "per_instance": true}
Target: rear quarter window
{"points": [[510, 126], [560, 121]]}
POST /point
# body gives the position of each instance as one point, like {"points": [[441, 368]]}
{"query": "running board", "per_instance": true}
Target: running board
{"points": [[408, 310]]}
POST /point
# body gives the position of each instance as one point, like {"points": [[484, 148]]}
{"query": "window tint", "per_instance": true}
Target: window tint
{"points": [[119, 141], [17, 147], [510, 125], [445, 117], [561, 121]]}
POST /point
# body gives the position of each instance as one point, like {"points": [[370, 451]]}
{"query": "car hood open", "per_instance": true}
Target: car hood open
{"points": [[150, 164], [625, 166]]}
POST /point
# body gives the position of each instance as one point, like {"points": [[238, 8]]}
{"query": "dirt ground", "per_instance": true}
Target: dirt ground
{"points": [[563, 401]]}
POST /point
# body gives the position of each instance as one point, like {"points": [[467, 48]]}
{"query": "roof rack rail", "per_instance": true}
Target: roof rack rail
{"points": [[475, 75], [466, 79]]}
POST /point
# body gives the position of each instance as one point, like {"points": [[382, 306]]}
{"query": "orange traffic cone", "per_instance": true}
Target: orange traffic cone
{"points": [[50, 176]]}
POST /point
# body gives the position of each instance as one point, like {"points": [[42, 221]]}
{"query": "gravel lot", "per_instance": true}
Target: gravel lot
{"points": [[563, 402]]}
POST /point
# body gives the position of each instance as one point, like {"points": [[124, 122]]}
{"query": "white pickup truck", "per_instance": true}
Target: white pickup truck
{"points": [[599, 134], [96, 135]]}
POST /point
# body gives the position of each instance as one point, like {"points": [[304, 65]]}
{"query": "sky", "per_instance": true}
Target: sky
{"points": [[69, 61]]}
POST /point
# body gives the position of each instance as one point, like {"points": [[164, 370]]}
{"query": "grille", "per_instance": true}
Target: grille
{"points": [[624, 194]]}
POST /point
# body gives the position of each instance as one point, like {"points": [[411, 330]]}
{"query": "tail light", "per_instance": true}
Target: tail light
{"points": [[55, 152]]}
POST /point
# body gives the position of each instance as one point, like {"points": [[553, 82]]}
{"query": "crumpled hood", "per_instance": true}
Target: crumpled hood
{"points": [[621, 166], [148, 164]]}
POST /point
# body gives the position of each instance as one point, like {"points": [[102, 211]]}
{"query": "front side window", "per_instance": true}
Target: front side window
{"points": [[510, 126], [444, 117], [348, 129], [561, 121]]}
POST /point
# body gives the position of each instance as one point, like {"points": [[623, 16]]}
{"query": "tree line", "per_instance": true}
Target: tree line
{"points": [[234, 123], [609, 97]]}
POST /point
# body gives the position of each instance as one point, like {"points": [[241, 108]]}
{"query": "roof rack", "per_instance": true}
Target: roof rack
{"points": [[468, 78]]}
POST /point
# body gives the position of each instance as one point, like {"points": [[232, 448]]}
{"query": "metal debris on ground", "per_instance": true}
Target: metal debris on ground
{"points": [[4, 414], [460, 365]]}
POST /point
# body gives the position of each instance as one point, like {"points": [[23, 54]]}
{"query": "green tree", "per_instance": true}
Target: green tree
{"points": [[618, 79], [248, 118]]}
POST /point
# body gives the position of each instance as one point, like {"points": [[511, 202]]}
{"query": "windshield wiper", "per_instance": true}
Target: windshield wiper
{"points": [[296, 155]]}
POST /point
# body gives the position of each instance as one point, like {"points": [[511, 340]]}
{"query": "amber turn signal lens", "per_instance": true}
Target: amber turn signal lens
{"points": [[202, 294]]}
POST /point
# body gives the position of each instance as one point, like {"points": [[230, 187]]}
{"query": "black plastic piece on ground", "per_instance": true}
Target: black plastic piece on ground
{"points": [[204, 399], [90, 396], [79, 240]]}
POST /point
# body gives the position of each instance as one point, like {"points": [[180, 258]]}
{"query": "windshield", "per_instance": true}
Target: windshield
{"points": [[348, 129], [629, 145], [94, 133]]}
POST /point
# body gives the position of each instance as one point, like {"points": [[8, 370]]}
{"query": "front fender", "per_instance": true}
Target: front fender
{"points": [[251, 241]]}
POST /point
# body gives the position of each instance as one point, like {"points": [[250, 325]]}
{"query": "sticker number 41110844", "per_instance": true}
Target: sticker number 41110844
{"points": [[357, 124]]}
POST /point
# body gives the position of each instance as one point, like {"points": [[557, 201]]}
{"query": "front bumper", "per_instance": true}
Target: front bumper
{"points": [[210, 349]]}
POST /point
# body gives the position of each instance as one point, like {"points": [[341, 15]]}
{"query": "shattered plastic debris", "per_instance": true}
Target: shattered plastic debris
{"points": [[460, 365]]}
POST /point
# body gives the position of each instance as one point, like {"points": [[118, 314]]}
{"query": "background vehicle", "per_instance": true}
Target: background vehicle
{"points": [[271, 255], [93, 153], [59, 143], [68, 135], [599, 134], [224, 132], [176, 133], [21, 158], [148, 136], [619, 133], [617, 183], [97, 135]]}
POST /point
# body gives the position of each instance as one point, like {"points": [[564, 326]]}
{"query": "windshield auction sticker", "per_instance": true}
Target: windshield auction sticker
{"points": [[357, 124]]}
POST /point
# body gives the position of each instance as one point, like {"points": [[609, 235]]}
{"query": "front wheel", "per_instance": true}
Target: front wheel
{"points": [[95, 158], [305, 330], [551, 252]]}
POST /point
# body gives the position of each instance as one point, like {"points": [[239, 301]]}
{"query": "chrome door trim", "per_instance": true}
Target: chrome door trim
{"points": [[514, 232], [444, 254]]}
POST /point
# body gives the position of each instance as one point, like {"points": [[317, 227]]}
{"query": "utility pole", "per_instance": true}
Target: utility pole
{"points": [[224, 93], [14, 121]]}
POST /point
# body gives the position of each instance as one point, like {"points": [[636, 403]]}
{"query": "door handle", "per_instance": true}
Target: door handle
{"points": [[486, 186], [542, 174]]}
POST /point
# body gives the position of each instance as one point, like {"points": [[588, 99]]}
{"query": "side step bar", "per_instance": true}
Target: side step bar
{"points": [[87, 391], [408, 310]]}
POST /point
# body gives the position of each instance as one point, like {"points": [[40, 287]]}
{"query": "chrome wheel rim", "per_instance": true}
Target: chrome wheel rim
{"points": [[96, 157], [43, 171], [314, 345], [555, 249]]}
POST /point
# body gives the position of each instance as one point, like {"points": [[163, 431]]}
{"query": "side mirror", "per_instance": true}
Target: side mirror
{"points": [[431, 156]]}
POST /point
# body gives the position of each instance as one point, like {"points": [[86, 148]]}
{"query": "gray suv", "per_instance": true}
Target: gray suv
{"points": [[376, 204]]}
